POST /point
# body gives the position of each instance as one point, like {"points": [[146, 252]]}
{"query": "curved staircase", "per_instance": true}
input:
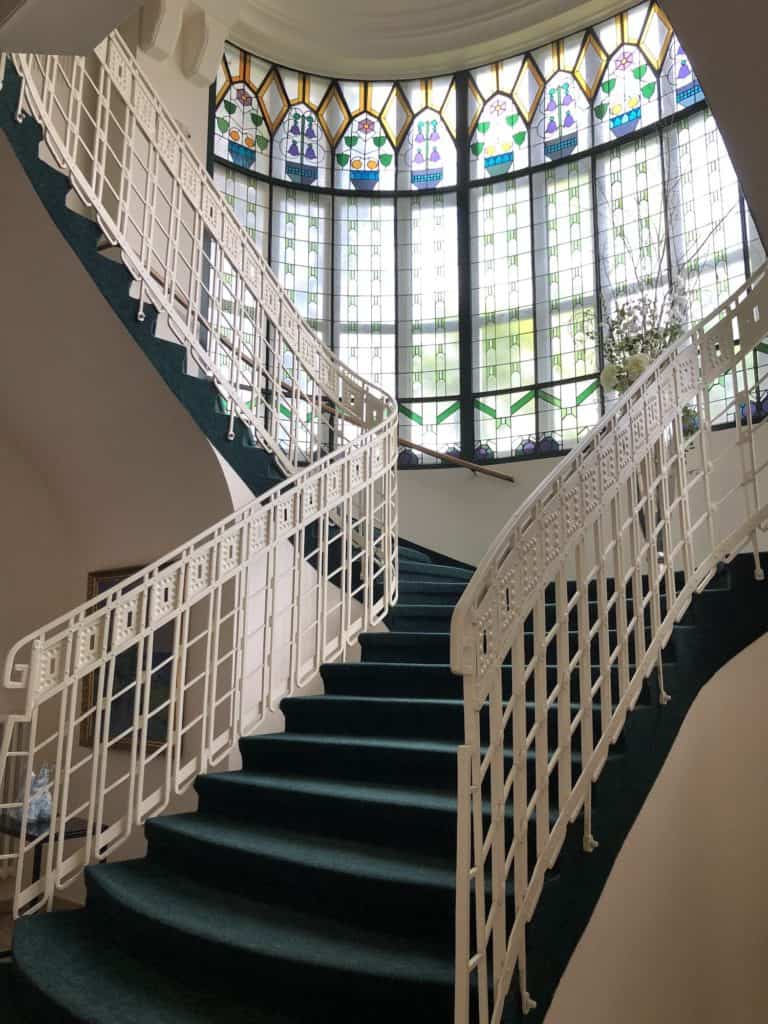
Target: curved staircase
{"points": [[348, 871]]}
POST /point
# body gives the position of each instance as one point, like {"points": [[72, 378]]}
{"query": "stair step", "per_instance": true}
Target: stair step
{"points": [[407, 718], [423, 571], [68, 968], [349, 881], [402, 647], [436, 681], [286, 955], [428, 591]]}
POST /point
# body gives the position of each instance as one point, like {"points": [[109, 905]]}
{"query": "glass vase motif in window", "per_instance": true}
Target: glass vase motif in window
{"points": [[561, 130], [365, 153], [685, 83], [499, 132], [426, 152], [301, 146], [240, 122], [627, 88]]}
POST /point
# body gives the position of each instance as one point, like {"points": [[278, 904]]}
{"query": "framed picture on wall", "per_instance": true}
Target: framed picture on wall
{"points": [[129, 683]]}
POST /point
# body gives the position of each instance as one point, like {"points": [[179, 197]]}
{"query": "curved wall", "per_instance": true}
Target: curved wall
{"points": [[101, 466]]}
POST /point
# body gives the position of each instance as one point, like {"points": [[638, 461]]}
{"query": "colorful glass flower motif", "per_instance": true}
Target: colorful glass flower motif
{"points": [[624, 92], [302, 152], [561, 131], [499, 132], [426, 158], [244, 97], [363, 154]]}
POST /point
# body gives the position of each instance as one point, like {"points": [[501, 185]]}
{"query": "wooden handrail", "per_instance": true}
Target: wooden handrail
{"points": [[454, 460]]}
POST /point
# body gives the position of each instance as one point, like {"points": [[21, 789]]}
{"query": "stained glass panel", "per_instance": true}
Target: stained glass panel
{"points": [[364, 287], [704, 213], [241, 135], [434, 425], [301, 152], [301, 237], [566, 413], [505, 425], [249, 199], [562, 124], [628, 96], [499, 143], [565, 272], [502, 286], [632, 238], [680, 87], [428, 297], [427, 158], [365, 158]]}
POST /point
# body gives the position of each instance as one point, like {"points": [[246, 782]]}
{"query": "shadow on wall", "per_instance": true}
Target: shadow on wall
{"points": [[679, 935]]}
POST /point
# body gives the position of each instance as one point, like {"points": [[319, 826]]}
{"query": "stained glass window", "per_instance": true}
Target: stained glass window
{"points": [[628, 98], [704, 213], [500, 139], [364, 287], [428, 297], [562, 124], [249, 199], [679, 84], [301, 234], [365, 156], [632, 236], [565, 272], [502, 292], [468, 264]]}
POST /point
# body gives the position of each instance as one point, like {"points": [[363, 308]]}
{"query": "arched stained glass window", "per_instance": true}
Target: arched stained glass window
{"points": [[428, 155], [499, 142], [365, 156], [628, 96], [680, 86], [562, 125], [468, 264], [301, 153]]}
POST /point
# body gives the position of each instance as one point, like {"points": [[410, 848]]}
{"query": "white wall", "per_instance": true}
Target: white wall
{"points": [[101, 466], [458, 512], [679, 935]]}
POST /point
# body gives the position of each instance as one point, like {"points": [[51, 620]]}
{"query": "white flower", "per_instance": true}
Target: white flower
{"points": [[609, 377], [635, 365]]}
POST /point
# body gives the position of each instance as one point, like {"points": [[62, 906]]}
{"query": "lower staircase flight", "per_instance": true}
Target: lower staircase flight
{"points": [[317, 883]]}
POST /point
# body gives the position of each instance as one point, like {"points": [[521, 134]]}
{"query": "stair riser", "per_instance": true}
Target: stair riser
{"points": [[403, 648], [442, 722], [437, 682], [413, 616]]}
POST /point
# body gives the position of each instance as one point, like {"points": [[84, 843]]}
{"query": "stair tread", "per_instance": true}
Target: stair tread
{"points": [[95, 980], [308, 850], [367, 792], [225, 918]]}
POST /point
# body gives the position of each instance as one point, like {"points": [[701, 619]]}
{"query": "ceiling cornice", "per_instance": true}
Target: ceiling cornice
{"points": [[365, 39]]}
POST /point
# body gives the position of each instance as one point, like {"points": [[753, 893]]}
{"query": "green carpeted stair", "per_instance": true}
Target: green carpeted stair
{"points": [[317, 883]]}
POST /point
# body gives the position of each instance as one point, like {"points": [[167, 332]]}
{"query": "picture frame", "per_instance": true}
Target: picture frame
{"points": [[124, 687]]}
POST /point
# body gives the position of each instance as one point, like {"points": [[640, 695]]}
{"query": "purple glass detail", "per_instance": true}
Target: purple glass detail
{"points": [[293, 149]]}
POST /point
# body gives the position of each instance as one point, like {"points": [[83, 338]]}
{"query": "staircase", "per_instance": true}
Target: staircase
{"points": [[348, 871], [317, 884]]}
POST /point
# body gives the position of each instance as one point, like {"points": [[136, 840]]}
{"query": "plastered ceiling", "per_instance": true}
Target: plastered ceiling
{"points": [[370, 38]]}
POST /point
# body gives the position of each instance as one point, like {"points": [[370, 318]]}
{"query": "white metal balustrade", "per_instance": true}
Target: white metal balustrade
{"points": [[132, 694], [639, 515]]}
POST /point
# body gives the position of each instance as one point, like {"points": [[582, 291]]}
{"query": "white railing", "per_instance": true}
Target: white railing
{"points": [[132, 694], [638, 515]]}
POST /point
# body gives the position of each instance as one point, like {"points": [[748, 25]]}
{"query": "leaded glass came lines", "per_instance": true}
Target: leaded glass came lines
{"points": [[468, 264]]}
